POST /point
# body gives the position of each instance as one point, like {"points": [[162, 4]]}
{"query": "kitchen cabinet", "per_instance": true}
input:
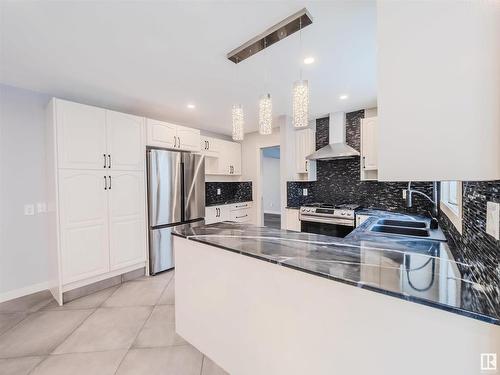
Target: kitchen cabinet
{"points": [[223, 157], [236, 212], [95, 138], [125, 141], [438, 106], [81, 135], [97, 227], [369, 149], [127, 232], [305, 144], [83, 224], [171, 136], [292, 219]]}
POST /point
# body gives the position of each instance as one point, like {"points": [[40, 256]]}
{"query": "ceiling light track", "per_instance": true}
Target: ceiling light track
{"points": [[281, 30]]}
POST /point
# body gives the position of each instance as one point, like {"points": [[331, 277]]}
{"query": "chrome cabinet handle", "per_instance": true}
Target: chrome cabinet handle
{"points": [[105, 183], [104, 156], [109, 182], [109, 161], [179, 146], [364, 162], [175, 141], [240, 217], [306, 165]]}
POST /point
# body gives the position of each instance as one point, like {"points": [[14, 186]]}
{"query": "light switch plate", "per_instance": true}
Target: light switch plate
{"points": [[219, 192], [41, 207], [29, 209], [493, 219], [304, 192]]}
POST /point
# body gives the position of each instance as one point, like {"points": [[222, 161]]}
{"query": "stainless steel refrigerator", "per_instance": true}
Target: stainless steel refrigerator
{"points": [[176, 197]]}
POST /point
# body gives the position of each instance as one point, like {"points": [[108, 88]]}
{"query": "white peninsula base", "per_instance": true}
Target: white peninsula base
{"points": [[255, 317]]}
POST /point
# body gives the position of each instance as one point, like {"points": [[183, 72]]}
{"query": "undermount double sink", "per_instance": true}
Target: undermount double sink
{"points": [[405, 228]]}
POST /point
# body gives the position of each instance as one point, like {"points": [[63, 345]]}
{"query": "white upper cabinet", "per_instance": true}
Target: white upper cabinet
{"points": [[223, 157], [95, 138], [188, 138], [83, 201], [161, 134], [166, 135], [127, 232], [369, 148], [81, 135], [305, 144], [438, 90], [125, 141]]}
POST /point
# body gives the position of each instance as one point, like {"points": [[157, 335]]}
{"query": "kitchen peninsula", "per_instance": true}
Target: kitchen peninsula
{"points": [[260, 300]]}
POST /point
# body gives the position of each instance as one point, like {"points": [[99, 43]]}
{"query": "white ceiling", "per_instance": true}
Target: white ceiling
{"points": [[152, 58]]}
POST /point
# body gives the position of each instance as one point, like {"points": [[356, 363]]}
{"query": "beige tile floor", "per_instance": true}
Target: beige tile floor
{"points": [[127, 329]]}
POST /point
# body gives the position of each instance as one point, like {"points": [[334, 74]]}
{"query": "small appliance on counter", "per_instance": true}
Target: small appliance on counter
{"points": [[176, 197], [328, 219]]}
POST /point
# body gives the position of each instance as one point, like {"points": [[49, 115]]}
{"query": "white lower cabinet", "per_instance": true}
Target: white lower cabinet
{"points": [[292, 220], [236, 212], [83, 224], [127, 232], [360, 219], [102, 222]]}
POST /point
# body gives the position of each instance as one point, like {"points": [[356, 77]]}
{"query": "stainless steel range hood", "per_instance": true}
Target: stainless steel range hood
{"points": [[338, 148]]}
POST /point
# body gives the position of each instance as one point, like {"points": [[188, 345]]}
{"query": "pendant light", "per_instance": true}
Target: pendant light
{"points": [[266, 110], [238, 121], [300, 95]]}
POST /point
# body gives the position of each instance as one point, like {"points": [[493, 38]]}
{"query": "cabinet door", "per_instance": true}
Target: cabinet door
{"points": [[83, 224], [235, 160], [211, 214], [304, 145], [127, 222], [240, 215], [81, 135], [188, 139], [369, 140], [125, 141], [161, 134]]}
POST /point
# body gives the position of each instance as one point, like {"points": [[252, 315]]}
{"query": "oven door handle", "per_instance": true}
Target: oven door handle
{"points": [[318, 219]]}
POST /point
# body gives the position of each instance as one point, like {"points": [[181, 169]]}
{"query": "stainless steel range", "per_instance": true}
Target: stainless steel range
{"points": [[327, 219]]}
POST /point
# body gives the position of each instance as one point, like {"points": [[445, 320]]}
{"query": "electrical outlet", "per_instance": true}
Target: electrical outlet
{"points": [[493, 219], [29, 209], [41, 207], [219, 192], [304, 192], [404, 194]]}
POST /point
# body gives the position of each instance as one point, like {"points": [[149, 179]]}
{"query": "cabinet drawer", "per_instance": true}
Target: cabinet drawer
{"points": [[240, 206], [240, 216]]}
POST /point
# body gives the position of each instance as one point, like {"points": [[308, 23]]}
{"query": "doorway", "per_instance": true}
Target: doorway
{"points": [[271, 197]]}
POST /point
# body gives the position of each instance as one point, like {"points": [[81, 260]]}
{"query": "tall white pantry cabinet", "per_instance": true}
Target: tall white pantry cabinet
{"points": [[97, 205]]}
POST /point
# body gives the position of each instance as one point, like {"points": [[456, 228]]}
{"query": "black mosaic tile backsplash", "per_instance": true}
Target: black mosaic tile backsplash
{"points": [[231, 192], [474, 246], [338, 181]]}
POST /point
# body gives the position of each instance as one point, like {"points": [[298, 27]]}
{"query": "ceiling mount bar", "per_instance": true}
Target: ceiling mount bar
{"points": [[274, 34]]}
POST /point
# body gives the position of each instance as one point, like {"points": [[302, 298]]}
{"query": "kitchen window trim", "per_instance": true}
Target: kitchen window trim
{"points": [[452, 214]]}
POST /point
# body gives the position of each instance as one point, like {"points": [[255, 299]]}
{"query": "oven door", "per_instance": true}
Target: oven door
{"points": [[328, 227]]}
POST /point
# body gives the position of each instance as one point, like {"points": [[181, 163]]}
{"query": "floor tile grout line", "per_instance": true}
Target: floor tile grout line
{"points": [[135, 338], [202, 363]]}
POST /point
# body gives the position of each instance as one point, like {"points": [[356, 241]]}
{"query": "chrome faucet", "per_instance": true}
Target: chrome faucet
{"points": [[434, 200]]}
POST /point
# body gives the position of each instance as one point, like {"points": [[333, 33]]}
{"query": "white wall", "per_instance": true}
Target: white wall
{"points": [[251, 168], [271, 185], [23, 239]]}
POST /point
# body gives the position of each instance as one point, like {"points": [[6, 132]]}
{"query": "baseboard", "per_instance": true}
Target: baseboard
{"points": [[21, 292], [273, 212]]}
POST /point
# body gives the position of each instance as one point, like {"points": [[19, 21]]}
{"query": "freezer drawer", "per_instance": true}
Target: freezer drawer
{"points": [[161, 254]]}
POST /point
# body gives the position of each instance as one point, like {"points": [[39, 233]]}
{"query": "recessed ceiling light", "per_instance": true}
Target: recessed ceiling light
{"points": [[343, 97], [191, 106], [308, 60]]}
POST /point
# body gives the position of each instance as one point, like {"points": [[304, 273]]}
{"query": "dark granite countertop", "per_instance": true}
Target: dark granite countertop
{"points": [[412, 269], [229, 201]]}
